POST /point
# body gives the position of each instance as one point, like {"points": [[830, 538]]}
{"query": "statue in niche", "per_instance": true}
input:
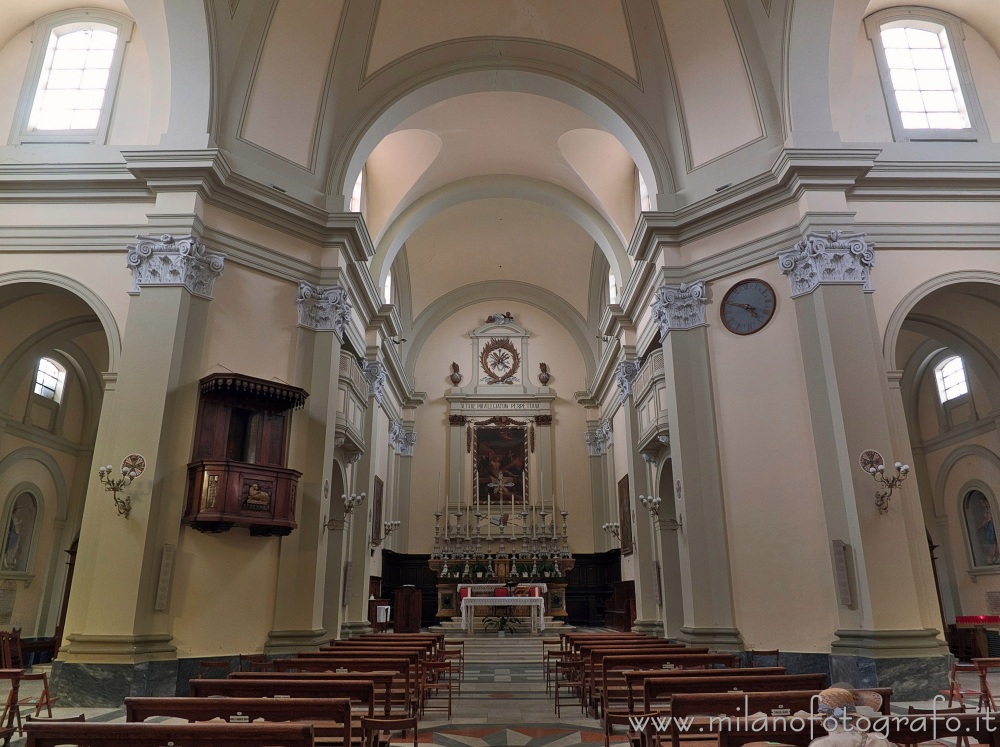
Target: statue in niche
{"points": [[456, 375], [20, 529], [544, 375]]}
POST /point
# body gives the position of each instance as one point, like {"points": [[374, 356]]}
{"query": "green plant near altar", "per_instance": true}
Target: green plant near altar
{"points": [[502, 624]]}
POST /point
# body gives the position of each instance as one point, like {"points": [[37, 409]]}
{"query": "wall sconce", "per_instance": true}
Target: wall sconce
{"points": [[653, 506], [388, 527], [873, 464], [350, 503], [132, 466], [613, 528]]}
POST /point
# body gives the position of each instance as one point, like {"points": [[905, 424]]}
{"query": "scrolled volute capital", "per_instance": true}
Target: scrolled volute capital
{"points": [[839, 257], [168, 260], [680, 306], [323, 308]]}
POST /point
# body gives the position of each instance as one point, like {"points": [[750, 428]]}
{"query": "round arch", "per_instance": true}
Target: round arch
{"points": [[597, 225], [911, 299], [949, 464], [653, 165], [497, 290], [94, 301], [51, 466]]}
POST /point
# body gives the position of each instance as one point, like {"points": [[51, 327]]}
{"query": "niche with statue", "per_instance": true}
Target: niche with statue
{"points": [[238, 476]]}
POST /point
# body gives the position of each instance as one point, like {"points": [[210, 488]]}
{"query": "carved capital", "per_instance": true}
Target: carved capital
{"points": [[456, 419], [323, 308], [600, 439], [173, 261], [838, 257], [679, 306], [543, 420], [625, 374], [649, 457], [376, 375], [401, 439]]}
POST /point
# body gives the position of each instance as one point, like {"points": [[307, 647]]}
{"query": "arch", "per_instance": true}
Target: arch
{"points": [[501, 76], [94, 301], [50, 465], [14, 545], [984, 520], [527, 293], [597, 225], [911, 299], [949, 463]]}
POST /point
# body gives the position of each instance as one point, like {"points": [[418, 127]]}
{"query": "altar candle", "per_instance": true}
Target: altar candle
{"points": [[489, 523], [553, 516], [439, 492], [447, 515]]}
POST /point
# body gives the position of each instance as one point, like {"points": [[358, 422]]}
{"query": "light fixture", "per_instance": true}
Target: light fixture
{"points": [[653, 506], [400, 341], [873, 463], [350, 503], [388, 527], [132, 466], [613, 528]]}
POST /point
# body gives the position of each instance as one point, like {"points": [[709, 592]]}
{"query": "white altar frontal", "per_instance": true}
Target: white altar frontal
{"points": [[535, 605]]}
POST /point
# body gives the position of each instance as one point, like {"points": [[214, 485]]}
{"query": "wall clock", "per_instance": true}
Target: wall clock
{"points": [[747, 307]]}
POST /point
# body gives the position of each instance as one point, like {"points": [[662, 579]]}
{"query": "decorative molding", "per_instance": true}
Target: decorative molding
{"points": [[457, 419], [505, 318], [323, 308], [600, 439], [543, 420], [835, 258], [401, 439], [625, 375], [376, 375], [173, 261], [649, 457], [679, 306]]}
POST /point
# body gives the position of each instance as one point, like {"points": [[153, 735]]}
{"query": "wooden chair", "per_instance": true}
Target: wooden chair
{"points": [[81, 718], [207, 667], [984, 667], [255, 663], [455, 652], [435, 676], [956, 692], [16, 701], [568, 675], [377, 730], [757, 654]]}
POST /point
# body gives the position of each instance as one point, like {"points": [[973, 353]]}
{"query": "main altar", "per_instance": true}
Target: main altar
{"points": [[500, 521]]}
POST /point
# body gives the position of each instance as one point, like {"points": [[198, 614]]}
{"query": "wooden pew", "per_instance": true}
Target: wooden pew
{"points": [[360, 692], [594, 657], [657, 691], [390, 690], [611, 686], [156, 735], [635, 679], [330, 717]]}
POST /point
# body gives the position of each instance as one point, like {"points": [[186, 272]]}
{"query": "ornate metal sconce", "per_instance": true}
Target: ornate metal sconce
{"points": [[132, 466], [653, 506], [873, 463], [613, 528], [388, 527], [350, 503]]}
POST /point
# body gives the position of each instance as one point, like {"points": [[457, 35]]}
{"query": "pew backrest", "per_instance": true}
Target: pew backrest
{"points": [[361, 692], [93, 734]]}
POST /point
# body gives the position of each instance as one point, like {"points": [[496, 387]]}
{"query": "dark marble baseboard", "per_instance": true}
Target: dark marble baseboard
{"points": [[911, 678], [107, 685]]}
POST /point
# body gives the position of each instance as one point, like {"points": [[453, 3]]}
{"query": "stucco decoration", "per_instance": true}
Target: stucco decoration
{"points": [[401, 439], [600, 439], [376, 375], [679, 306], [625, 374], [173, 261], [838, 258], [323, 308]]}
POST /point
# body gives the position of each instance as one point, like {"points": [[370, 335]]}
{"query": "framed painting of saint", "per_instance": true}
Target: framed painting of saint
{"points": [[625, 516], [501, 465], [377, 491]]}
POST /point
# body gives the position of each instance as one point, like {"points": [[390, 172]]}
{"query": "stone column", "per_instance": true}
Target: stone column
{"points": [[302, 561], [116, 644], [599, 438], [406, 439], [706, 582], [887, 632]]}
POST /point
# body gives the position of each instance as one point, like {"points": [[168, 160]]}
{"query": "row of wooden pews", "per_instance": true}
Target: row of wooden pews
{"points": [[354, 693]]}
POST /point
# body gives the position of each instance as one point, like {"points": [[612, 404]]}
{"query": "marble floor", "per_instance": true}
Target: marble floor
{"points": [[502, 701]]}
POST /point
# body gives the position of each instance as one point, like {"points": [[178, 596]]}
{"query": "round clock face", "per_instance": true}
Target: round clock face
{"points": [[747, 307]]}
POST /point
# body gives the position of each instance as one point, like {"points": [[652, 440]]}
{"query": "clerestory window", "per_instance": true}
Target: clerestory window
{"points": [[49, 379], [951, 379], [72, 77], [925, 75]]}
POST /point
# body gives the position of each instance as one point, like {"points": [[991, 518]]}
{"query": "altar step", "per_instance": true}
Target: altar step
{"points": [[453, 629]]}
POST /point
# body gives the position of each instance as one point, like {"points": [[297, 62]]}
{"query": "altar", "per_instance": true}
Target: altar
{"points": [[536, 606]]}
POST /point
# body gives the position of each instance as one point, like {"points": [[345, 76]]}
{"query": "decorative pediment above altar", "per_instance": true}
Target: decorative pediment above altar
{"points": [[500, 362]]}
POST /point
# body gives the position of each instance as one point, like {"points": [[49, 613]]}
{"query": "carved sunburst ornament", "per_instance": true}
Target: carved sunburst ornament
{"points": [[500, 361]]}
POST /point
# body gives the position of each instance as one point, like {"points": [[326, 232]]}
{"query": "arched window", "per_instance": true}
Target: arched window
{"points": [[643, 194], [49, 379], [951, 379], [981, 529], [612, 288], [20, 533], [925, 75], [387, 288], [356, 193], [72, 77]]}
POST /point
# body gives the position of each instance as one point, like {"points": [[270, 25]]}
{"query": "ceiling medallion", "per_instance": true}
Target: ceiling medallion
{"points": [[500, 361]]}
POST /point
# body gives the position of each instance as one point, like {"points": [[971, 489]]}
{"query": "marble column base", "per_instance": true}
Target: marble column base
{"points": [[717, 639], [107, 685], [648, 627], [354, 628], [914, 663], [293, 641]]}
